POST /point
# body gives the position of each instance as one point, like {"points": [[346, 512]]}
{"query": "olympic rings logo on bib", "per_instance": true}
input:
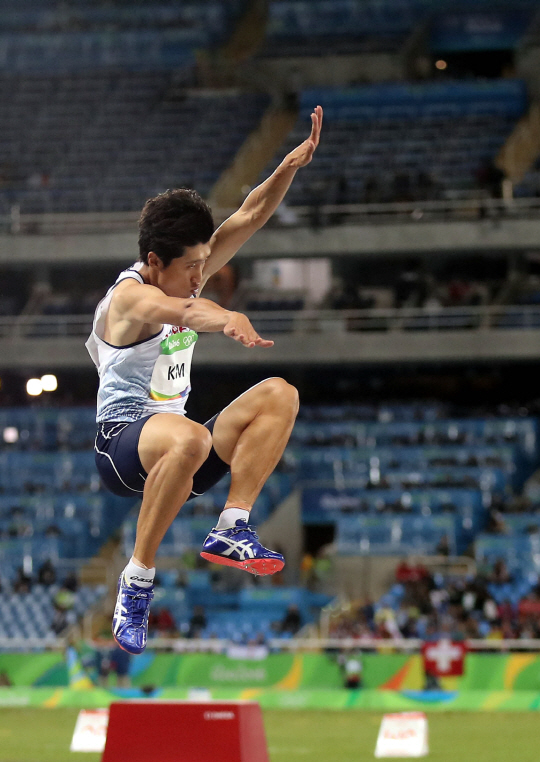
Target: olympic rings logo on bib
{"points": [[171, 374]]}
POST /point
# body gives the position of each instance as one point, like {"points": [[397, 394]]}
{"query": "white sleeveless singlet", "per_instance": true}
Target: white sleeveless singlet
{"points": [[149, 376]]}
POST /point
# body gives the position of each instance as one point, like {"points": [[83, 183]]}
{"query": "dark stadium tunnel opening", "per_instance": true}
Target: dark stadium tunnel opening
{"points": [[489, 64], [318, 536]]}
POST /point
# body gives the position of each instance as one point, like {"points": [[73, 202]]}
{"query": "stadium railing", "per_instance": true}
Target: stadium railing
{"points": [[181, 645], [467, 207], [188, 645], [315, 321]]}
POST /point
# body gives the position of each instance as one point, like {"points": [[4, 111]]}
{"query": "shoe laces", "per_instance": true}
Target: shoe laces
{"points": [[248, 528], [139, 606]]}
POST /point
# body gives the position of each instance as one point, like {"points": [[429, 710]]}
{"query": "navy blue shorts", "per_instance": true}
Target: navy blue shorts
{"points": [[120, 468]]}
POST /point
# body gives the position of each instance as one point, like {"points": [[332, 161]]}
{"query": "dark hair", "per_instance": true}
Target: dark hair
{"points": [[171, 221]]}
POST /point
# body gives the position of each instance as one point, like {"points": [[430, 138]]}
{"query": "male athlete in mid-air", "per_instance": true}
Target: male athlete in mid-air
{"points": [[142, 343]]}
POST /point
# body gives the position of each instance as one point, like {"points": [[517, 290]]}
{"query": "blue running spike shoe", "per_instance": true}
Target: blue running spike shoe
{"points": [[130, 618], [240, 547]]}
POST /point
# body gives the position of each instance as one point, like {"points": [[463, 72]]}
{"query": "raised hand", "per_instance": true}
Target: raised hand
{"points": [[240, 329], [304, 153]]}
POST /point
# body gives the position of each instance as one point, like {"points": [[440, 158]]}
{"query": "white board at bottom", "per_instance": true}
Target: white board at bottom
{"points": [[90, 730], [403, 735]]}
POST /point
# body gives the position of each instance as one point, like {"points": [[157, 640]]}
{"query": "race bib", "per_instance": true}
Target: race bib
{"points": [[172, 371]]}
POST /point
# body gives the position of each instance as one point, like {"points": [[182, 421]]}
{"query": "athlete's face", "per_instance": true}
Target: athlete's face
{"points": [[183, 277]]}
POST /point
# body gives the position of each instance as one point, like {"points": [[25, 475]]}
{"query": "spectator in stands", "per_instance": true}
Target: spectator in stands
{"points": [[500, 574], [63, 603], [355, 622], [119, 665], [409, 287], [401, 187], [307, 570], [474, 596], [495, 523], [71, 582], [489, 177], [371, 190], [352, 667], [424, 186], [60, 620], [197, 623], [22, 583], [322, 568], [410, 572], [19, 526], [367, 610], [342, 190], [162, 623], [507, 613], [47, 573], [53, 531], [386, 626], [407, 619], [343, 295], [490, 611], [443, 546], [339, 197], [292, 621], [110, 661]]}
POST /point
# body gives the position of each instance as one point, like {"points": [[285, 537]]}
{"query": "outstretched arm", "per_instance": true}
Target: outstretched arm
{"points": [[261, 203]]}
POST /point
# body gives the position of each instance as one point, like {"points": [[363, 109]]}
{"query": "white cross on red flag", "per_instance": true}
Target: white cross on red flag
{"points": [[444, 658]]}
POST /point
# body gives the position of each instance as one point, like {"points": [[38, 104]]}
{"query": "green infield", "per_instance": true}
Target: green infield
{"points": [[44, 735]]}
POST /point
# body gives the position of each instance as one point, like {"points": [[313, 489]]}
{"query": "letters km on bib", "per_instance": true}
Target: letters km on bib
{"points": [[172, 371]]}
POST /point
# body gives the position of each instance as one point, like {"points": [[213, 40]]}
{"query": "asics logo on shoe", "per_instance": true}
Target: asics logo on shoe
{"points": [[132, 578], [242, 547], [130, 620]]}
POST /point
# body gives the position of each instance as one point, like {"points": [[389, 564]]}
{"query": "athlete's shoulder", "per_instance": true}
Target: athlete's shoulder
{"points": [[131, 273]]}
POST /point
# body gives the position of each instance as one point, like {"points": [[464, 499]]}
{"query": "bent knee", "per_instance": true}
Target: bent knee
{"points": [[194, 444], [285, 394]]}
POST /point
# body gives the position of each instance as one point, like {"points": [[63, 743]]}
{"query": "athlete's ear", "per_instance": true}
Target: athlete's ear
{"points": [[154, 260]]}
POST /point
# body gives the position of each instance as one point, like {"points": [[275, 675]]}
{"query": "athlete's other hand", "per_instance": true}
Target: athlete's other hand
{"points": [[240, 329], [304, 153]]}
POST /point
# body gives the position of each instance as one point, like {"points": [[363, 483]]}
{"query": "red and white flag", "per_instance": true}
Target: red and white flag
{"points": [[444, 658]]}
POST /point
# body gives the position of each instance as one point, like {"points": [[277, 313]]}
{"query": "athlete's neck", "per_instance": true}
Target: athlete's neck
{"points": [[145, 272]]}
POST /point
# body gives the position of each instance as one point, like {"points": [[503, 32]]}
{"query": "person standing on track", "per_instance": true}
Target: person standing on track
{"points": [[142, 342]]}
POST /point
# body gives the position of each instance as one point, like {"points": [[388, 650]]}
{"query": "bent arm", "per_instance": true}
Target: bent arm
{"points": [[145, 304]]}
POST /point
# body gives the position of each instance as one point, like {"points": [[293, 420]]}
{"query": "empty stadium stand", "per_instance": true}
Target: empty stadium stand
{"points": [[315, 27], [339, 27], [401, 486], [106, 142], [404, 142]]}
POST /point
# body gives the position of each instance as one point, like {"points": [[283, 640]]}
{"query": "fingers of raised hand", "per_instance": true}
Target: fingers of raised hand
{"points": [[316, 123], [242, 338], [250, 341], [264, 342]]}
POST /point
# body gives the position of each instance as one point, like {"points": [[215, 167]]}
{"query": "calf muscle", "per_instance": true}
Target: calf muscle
{"points": [[171, 449]]}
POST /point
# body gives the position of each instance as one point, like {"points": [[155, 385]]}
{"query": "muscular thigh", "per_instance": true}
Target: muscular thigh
{"points": [[162, 432], [237, 416]]}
